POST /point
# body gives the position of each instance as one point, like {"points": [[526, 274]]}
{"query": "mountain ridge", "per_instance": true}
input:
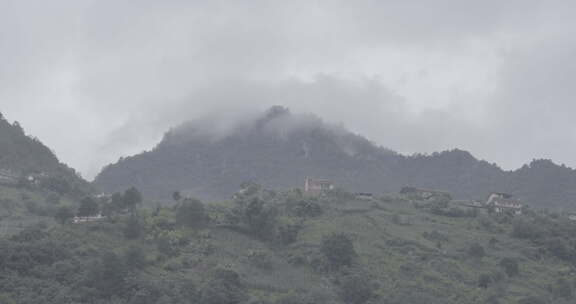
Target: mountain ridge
{"points": [[279, 149], [23, 157]]}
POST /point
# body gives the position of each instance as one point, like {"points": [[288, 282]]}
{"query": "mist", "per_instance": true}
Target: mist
{"points": [[97, 80]]}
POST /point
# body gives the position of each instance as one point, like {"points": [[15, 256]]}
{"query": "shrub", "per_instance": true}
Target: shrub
{"points": [[223, 287], [53, 199], [259, 259], [532, 300], [108, 276], [133, 228], [134, 258], [63, 215], [487, 279], [294, 298], [340, 195], [88, 207], [562, 289], [523, 229], [288, 233], [306, 208], [560, 248], [510, 266], [191, 213], [484, 280], [169, 243], [257, 215], [356, 289], [477, 251], [338, 250], [435, 236]]}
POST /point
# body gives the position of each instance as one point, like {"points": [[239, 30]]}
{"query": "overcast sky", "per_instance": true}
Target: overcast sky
{"points": [[99, 79]]}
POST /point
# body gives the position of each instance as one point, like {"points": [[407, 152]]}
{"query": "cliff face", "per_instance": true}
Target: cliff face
{"points": [[279, 149]]}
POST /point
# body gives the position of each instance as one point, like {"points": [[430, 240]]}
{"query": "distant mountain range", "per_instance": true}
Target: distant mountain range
{"points": [[280, 149]]}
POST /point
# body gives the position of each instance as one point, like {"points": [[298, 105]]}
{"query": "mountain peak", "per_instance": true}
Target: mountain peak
{"points": [[210, 158], [275, 112]]}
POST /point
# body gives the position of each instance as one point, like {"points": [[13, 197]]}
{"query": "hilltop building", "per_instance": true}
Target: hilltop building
{"points": [[425, 194], [504, 203], [317, 186]]}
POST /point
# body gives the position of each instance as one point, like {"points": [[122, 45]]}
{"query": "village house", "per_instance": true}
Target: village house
{"points": [[470, 204], [317, 186], [36, 178], [504, 203], [424, 194], [364, 196], [85, 219]]}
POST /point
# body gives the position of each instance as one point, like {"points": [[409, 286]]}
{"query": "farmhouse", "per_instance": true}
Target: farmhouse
{"points": [[84, 219], [317, 186], [364, 196], [470, 204], [504, 203], [425, 194]]}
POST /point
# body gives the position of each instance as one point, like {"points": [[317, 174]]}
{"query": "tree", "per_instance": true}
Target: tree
{"points": [[53, 199], [223, 287], [260, 218], [133, 228], [484, 280], [510, 266], [338, 250], [176, 196], [57, 184], [191, 213], [63, 215], [88, 207], [134, 257], [117, 203], [132, 198], [531, 300], [562, 289], [356, 289], [288, 233], [256, 215], [477, 251], [108, 276]]}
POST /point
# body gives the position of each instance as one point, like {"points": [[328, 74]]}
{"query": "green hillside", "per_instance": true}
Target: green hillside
{"points": [[33, 182], [279, 149], [282, 247], [28, 162]]}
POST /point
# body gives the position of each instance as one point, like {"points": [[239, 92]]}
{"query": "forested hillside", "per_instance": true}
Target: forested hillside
{"points": [[34, 185], [28, 161], [279, 149], [270, 247]]}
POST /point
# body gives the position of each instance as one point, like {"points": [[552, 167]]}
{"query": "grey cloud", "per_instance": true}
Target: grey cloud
{"points": [[109, 77]]}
